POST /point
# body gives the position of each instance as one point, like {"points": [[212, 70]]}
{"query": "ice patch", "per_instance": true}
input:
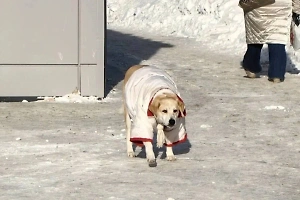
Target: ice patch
{"points": [[274, 108], [205, 126]]}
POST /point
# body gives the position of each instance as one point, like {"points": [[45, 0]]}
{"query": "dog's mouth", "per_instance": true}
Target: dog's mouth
{"points": [[168, 128]]}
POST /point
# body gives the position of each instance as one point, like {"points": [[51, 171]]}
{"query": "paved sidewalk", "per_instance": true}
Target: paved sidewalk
{"points": [[244, 140]]}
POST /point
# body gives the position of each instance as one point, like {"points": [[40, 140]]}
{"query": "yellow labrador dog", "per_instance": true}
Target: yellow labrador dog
{"points": [[152, 104]]}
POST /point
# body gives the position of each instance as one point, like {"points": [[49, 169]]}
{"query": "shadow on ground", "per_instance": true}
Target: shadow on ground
{"points": [[178, 149], [124, 50]]}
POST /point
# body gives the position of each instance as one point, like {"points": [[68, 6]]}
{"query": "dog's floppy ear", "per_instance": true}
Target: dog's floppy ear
{"points": [[154, 105], [181, 107]]}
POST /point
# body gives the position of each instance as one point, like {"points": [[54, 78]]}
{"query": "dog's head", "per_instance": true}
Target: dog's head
{"points": [[166, 108]]}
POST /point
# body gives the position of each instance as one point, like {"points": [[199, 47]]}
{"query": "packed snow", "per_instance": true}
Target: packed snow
{"points": [[217, 23]]}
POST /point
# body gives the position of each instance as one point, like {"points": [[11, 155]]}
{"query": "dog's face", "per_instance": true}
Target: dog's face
{"points": [[166, 108]]}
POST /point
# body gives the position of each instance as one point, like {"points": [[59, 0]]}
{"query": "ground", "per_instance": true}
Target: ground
{"points": [[244, 140]]}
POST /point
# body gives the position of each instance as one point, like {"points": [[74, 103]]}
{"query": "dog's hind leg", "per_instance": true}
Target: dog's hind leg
{"points": [[130, 151], [170, 154], [150, 154]]}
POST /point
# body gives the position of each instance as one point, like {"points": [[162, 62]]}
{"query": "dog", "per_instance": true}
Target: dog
{"points": [[152, 104]]}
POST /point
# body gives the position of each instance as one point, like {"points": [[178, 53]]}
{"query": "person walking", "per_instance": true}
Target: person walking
{"points": [[268, 24]]}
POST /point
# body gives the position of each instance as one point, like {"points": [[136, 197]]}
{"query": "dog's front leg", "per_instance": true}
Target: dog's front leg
{"points": [[150, 154], [170, 154]]}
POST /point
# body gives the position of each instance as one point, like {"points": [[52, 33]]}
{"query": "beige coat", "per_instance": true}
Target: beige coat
{"points": [[271, 23]]}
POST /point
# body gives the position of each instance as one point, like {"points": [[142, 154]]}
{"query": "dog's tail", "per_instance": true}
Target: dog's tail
{"points": [[161, 138]]}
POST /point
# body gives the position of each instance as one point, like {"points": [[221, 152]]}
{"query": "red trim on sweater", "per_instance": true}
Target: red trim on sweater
{"points": [[149, 113], [179, 141], [180, 99], [184, 112], [140, 141]]}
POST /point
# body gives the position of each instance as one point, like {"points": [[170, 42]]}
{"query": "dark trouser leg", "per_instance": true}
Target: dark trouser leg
{"points": [[251, 60], [277, 59]]}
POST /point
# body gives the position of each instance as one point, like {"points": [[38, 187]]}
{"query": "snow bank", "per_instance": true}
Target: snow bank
{"points": [[206, 20], [217, 23]]}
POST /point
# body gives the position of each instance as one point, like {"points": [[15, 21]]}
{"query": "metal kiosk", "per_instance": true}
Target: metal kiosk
{"points": [[51, 47]]}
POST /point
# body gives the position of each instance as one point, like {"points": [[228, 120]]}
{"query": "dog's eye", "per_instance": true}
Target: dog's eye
{"points": [[175, 111], [164, 111]]}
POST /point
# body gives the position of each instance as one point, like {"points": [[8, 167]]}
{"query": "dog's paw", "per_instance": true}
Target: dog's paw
{"points": [[152, 163], [171, 158], [131, 154], [159, 145]]}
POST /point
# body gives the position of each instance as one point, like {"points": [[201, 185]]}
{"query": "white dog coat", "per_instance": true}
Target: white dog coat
{"points": [[140, 89]]}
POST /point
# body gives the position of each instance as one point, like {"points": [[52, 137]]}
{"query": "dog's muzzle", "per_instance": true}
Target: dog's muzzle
{"points": [[170, 125]]}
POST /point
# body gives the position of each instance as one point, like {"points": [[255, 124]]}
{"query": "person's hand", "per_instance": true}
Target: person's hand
{"points": [[296, 18]]}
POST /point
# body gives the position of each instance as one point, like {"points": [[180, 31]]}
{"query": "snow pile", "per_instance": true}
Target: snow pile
{"points": [[70, 98], [211, 21], [217, 23], [74, 97]]}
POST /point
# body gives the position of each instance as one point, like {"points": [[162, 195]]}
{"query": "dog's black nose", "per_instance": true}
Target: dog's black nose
{"points": [[171, 122]]}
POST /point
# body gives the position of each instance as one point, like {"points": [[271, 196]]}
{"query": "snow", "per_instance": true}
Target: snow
{"points": [[274, 108], [70, 98], [74, 97], [217, 23], [243, 134], [235, 148], [205, 126]]}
